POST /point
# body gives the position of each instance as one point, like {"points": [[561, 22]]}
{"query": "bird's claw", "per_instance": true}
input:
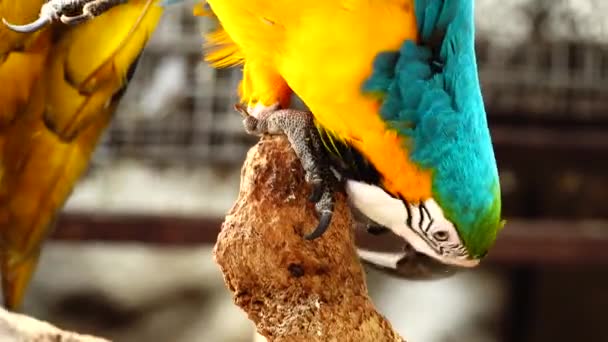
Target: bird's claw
{"points": [[324, 221], [250, 122], [242, 110], [317, 191], [301, 132], [69, 12], [322, 196]]}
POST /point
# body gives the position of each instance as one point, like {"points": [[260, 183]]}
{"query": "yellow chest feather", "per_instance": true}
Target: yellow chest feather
{"points": [[324, 50]]}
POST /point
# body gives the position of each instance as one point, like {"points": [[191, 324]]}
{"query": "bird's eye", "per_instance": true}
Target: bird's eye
{"points": [[441, 235]]}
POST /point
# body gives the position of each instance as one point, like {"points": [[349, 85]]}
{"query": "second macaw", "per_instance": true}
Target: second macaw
{"points": [[59, 87]]}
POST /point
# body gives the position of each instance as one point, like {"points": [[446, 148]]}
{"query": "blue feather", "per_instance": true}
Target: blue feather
{"points": [[432, 98]]}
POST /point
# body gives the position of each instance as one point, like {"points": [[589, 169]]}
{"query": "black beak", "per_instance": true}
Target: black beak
{"points": [[400, 258], [416, 265]]}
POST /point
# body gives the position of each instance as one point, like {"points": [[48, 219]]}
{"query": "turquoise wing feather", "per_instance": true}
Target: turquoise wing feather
{"points": [[431, 95]]}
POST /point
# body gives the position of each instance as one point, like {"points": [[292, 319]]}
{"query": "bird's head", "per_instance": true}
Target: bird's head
{"points": [[430, 96], [471, 226], [442, 234]]}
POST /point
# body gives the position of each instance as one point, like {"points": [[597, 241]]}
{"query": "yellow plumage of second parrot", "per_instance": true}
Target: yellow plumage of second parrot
{"points": [[59, 87]]}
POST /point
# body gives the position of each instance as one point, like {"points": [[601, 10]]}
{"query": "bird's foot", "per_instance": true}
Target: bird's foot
{"points": [[300, 129], [69, 12]]}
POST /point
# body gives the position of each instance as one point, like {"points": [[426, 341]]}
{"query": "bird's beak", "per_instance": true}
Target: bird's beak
{"points": [[394, 255], [416, 265]]}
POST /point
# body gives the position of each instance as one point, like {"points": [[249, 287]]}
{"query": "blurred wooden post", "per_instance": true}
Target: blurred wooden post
{"points": [[293, 289]]}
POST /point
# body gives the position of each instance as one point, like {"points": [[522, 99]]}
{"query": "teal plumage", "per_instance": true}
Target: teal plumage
{"points": [[431, 95]]}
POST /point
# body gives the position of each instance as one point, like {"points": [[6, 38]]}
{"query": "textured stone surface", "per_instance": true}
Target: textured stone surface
{"points": [[20, 328], [293, 289]]}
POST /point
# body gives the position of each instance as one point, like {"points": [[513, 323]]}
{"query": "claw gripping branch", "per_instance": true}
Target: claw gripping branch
{"points": [[304, 137]]}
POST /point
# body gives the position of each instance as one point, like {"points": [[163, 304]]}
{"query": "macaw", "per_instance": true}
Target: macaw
{"points": [[395, 108], [60, 87]]}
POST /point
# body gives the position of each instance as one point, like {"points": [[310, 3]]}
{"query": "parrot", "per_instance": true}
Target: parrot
{"points": [[395, 114], [62, 84]]}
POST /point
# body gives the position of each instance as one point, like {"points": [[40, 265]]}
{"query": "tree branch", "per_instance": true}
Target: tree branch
{"points": [[293, 289]]}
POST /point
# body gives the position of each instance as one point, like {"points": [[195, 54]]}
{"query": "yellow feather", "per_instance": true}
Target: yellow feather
{"points": [[324, 51], [20, 64], [85, 78], [20, 70], [327, 135], [71, 90], [221, 52]]}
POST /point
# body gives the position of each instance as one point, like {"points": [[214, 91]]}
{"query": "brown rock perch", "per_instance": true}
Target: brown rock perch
{"points": [[20, 328], [293, 289]]}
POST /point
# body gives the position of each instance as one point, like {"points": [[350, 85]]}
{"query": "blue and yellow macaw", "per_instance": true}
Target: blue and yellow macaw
{"points": [[393, 88], [60, 87]]}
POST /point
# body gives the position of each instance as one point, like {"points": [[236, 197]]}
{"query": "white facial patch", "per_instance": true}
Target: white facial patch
{"points": [[423, 226]]}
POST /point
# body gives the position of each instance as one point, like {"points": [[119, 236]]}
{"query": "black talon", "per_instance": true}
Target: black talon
{"points": [[316, 193], [321, 228], [325, 207]]}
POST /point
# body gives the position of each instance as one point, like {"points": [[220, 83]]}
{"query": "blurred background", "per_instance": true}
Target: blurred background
{"points": [[132, 256]]}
